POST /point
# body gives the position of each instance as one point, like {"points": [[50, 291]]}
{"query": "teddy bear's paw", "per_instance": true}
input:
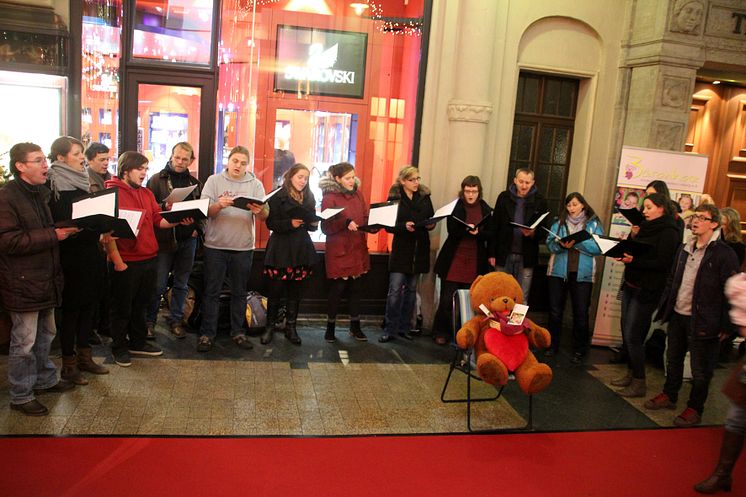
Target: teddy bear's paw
{"points": [[535, 379], [492, 370]]}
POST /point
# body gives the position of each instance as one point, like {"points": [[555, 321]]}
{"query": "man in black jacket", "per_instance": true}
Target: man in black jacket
{"points": [[513, 249], [696, 309], [176, 246], [30, 278]]}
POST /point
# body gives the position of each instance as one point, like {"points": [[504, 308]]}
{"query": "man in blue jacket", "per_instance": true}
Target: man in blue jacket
{"points": [[696, 310]]}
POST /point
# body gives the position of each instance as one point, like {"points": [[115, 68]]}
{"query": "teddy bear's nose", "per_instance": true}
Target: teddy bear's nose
{"points": [[505, 300]]}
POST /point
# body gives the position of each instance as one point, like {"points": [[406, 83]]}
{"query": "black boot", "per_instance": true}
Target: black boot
{"points": [[329, 335], [269, 331], [292, 315], [356, 332], [721, 479]]}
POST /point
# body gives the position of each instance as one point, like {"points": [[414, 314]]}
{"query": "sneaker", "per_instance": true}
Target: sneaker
{"points": [[660, 401], [147, 350], [204, 344], [94, 339], [689, 417], [177, 330], [243, 342], [150, 331], [122, 358]]}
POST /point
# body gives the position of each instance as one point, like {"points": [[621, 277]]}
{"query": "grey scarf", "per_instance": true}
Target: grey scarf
{"points": [[63, 178], [577, 223]]}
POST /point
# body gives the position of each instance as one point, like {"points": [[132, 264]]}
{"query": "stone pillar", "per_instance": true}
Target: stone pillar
{"points": [[468, 76]]}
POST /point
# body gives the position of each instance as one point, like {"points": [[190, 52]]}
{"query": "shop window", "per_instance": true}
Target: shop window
{"points": [[542, 133], [101, 38], [173, 30]]}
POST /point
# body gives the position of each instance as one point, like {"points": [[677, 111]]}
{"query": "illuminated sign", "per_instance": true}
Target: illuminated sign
{"points": [[320, 62]]}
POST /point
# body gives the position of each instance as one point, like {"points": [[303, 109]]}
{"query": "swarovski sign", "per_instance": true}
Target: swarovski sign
{"points": [[320, 67], [320, 62]]}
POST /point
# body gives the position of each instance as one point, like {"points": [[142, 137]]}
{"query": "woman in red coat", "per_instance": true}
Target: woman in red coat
{"points": [[347, 256]]}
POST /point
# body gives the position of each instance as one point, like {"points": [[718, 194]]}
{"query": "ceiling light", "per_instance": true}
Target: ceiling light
{"points": [[716, 82], [359, 7]]}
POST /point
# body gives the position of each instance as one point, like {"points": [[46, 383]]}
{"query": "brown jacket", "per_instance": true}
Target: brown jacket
{"points": [[30, 271]]}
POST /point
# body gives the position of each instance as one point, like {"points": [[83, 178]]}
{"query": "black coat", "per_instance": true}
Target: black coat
{"points": [[649, 271], [82, 258], [162, 184], [456, 232], [410, 250], [709, 305], [502, 230], [288, 246], [30, 272]]}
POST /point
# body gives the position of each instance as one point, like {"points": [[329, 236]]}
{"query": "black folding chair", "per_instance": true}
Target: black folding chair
{"points": [[463, 361]]}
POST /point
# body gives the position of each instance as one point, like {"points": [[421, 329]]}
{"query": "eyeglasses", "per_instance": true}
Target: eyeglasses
{"points": [[413, 180], [699, 217], [41, 160]]}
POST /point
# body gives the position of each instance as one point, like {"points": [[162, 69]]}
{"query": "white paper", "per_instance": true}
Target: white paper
{"points": [[329, 213], [179, 194], [604, 243], [518, 314], [384, 216], [536, 223], [101, 204], [555, 235], [201, 204], [132, 218], [484, 309], [446, 210]]}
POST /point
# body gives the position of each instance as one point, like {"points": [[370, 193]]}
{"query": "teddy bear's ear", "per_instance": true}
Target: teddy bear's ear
{"points": [[475, 283]]}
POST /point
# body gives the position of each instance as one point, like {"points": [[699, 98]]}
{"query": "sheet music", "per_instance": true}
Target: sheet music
{"points": [[329, 213], [100, 204], [202, 204], [132, 218], [179, 194], [536, 223], [446, 210], [555, 235], [604, 243], [384, 216]]}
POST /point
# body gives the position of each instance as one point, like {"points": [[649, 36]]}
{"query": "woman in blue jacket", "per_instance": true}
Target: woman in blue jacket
{"points": [[571, 270]]}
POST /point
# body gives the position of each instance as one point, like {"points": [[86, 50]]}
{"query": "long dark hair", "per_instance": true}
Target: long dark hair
{"points": [[304, 197], [661, 200], [660, 187], [589, 212]]}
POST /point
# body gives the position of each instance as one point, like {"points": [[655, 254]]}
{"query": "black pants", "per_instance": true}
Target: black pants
{"points": [[443, 322], [580, 297], [336, 291], [131, 291], [77, 325]]}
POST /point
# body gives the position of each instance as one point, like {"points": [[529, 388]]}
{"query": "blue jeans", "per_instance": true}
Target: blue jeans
{"points": [[237, 265], [400, 302], [704, 359], [179, 263], [29, 365], [523, 275], [636, 318], [580, 296]]}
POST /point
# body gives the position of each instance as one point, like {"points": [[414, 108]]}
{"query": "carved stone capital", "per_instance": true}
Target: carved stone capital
{"points": [[463, 110]]}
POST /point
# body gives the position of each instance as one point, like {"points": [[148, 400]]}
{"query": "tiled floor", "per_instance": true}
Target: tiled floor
{"points": [[344, 388]]}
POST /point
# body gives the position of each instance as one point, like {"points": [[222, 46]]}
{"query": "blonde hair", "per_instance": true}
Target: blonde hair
{"points": [[732, 224], [408, 172]]}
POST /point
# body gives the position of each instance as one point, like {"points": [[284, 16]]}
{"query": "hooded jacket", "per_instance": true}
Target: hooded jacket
{"points": [[30, 272], [649, 271], [232, 228], [503, 232], [588, 250], [144, 246], [346, 251], [410, 251], [288, 246]]}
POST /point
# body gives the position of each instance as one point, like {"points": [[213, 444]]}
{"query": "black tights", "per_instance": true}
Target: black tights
{"points": [[76, 328], [336, 290], [287, 289]]}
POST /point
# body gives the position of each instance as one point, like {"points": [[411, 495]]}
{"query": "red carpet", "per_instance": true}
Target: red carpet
{"points": [[664, 462]]}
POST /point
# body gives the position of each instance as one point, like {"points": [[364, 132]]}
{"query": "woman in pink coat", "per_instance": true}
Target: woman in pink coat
{"points": [[347, 258]]}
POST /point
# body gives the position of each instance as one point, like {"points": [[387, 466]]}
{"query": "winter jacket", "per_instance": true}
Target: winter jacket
{"points": [[162, 184], [145, 246], [503, 231], [287, 246], [457, 231], [709, 305], [30, 271], [588, 250], [649, 270], [346, 251], [735, 290], [81, 255], [410, 251]]}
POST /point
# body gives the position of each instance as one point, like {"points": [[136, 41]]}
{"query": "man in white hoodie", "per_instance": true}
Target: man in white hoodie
{"points": [[229, 245]]}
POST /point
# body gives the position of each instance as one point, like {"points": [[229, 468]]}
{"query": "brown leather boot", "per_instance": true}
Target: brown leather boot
{"points": [[85, 362], [721, 479], [636, 388], [622, 381], [70, 371]]}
